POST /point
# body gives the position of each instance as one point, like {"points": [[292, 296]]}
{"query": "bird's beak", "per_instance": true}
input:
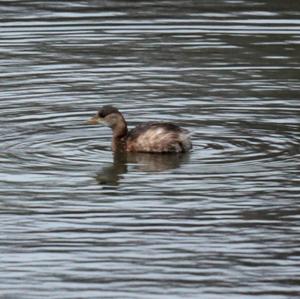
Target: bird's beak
{"points": [[95, 120]]}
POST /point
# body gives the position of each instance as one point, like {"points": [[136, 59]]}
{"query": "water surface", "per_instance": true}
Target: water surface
{"points": [[79, 222]]}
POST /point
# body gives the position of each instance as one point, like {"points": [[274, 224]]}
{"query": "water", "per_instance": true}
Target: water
{"points": [[222, 221]]}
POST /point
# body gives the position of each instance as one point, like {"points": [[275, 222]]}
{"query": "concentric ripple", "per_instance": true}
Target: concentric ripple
{"points": [[78, 221]]}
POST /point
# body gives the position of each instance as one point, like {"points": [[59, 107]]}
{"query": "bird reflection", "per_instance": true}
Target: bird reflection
{"points": [[145, 162]]}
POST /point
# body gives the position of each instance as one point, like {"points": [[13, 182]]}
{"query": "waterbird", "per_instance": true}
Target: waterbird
{"points": [[148, 137]]}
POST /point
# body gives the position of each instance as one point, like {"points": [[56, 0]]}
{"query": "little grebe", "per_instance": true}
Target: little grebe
{"points": [[152, 137]]}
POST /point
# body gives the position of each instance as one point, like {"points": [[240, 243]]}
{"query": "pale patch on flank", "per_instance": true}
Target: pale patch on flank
{"points": [[161, 140]]}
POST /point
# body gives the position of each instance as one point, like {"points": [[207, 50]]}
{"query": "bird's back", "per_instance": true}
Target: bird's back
{"points": [[158, 137]]}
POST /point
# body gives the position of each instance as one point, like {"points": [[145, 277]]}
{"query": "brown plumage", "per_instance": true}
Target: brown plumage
{"points": [[153, 137]]}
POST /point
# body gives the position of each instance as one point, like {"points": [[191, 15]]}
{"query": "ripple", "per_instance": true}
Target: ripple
{"points": [[78, 220]]}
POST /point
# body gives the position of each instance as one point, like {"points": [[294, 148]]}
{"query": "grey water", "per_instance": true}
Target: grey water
{"points": [[77, 221]]}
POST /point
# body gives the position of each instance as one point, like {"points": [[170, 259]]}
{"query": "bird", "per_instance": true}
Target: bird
{"points": [[148, 137]]}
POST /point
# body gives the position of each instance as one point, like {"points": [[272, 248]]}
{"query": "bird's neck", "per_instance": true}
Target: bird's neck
{"points": [[119, 136]]}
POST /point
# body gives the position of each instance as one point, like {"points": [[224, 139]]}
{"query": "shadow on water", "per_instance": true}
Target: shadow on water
{"points": [[141, 162]]}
